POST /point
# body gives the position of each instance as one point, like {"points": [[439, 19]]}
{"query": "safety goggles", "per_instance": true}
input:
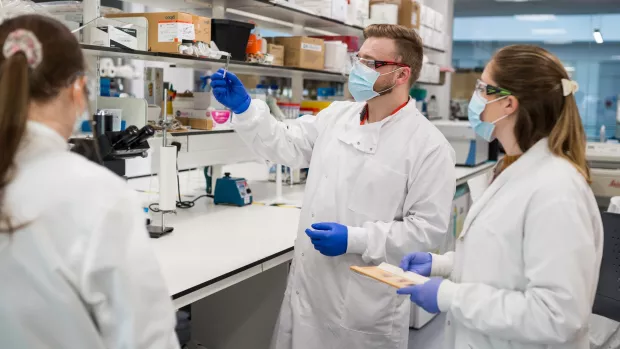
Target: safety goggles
{"points": [[485, 89], [374, 64]]}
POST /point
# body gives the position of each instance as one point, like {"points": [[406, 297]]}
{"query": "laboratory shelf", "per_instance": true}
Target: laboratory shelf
{"points": [[275, 14], [432, 49], [199, 132], [206, 63]]}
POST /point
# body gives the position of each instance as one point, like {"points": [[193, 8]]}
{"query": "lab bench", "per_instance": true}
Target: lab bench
{"points": [[213, 247]]}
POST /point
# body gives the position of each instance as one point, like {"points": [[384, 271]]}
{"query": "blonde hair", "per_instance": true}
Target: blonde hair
{"points": [[534, 76], [408, 45]]}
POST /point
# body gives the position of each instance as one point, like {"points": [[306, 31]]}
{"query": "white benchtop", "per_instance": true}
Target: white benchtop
{"points": [[213, 247]]}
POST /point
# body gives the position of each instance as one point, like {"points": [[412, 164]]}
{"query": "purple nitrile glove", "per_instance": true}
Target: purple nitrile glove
{"points": [[329, 238], [424, 295], [417, 262]]}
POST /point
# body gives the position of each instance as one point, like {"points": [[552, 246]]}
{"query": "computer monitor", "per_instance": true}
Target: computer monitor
{"points": [[607, 300]]}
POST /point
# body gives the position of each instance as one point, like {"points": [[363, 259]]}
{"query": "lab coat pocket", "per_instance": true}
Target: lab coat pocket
{"points": [[369, 306], [377, 192]]}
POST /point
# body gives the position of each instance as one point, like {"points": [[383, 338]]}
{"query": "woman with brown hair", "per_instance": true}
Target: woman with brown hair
{"points": [[76, 266], [526, 265]]}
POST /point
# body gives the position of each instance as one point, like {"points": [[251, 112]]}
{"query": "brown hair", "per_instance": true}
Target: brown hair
{"points": [[534, 76], [408, 45], [20, 85]]}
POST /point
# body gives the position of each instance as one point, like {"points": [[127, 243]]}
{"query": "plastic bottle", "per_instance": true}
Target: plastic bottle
{"points": [[433, 108], [603, 134]]}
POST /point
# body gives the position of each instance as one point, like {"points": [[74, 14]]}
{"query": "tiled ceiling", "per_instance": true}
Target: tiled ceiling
{"points": [[465, 8]]}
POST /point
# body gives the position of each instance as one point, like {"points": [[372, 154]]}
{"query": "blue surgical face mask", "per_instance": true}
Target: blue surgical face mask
{"points": [[362, 81], [484, 129]]}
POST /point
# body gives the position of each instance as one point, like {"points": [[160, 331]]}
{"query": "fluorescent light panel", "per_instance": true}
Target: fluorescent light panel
{"points": [[535, 18], [549, 31], [598, 37]]}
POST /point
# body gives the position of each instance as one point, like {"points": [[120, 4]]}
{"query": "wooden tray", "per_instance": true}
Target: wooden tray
{"points": [[389, 278]]}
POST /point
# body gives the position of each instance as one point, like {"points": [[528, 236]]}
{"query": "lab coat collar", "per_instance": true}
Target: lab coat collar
{"points": [[483, 195], [39, 139], [365, 138]]}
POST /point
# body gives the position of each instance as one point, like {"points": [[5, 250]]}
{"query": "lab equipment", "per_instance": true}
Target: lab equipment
{"points": [[607, 300], [229, 91], [417, 262], [470, 149], [114, 148], [424, 295], [604, 162], [329, 238], [232, 191]]}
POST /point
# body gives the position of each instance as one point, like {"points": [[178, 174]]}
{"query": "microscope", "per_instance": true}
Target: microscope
{"points": [[112, 148]]}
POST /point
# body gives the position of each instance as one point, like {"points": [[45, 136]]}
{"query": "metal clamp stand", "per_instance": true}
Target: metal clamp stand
{"points": [[158, 231]]}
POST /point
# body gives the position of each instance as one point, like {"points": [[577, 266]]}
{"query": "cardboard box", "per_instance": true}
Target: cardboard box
{"points": [[409, 12], [201, 124], [202, 27], [303, 52], [334, 9], [277, 51], [166, 29]]}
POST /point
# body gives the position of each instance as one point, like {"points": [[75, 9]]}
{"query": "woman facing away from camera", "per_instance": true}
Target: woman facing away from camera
{"points": [[76, 264]]}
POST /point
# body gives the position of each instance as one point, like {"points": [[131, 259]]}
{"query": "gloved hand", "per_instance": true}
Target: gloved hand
{"points": [[230, 91], [424, 295], [417, 262], [329, 238]]}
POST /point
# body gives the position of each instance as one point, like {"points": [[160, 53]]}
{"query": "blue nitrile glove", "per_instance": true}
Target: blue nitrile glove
{"points": [[417, 262], [424, 295], [329, 238], [230, 91]]}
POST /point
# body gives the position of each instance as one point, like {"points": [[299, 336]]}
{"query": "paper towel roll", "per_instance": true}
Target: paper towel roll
{"points": [[384, 13], [168, 178]]}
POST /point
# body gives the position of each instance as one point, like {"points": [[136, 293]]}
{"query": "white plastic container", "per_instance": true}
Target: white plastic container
{"points": [[335, 56]]}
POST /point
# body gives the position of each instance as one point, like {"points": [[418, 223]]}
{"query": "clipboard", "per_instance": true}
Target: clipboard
{"points": [[391, 275]]}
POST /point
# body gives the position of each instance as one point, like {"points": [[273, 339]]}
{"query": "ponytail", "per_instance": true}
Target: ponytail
{"points": [[568, 139], [14, 101]]}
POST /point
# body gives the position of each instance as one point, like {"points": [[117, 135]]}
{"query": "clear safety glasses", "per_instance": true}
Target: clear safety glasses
{"points": [[484, 89], [374, 64]]}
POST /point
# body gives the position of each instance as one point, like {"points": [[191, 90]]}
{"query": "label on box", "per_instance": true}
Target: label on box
{"points": [[310, 47], [171, 31]]}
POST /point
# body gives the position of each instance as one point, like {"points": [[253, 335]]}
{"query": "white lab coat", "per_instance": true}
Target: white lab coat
{"points": [[526, 265], [392, 182], [81, 272]]}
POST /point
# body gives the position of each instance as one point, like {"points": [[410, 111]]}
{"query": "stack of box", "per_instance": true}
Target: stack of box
{"points": [[430, 73], [166, 30], [408, 12], [302, 52], [358, 12], [191, 110], [335, 9], [432, 29]]}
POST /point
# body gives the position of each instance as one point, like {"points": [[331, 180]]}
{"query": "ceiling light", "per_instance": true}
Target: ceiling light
{"points": [[535, 18], [516, 0], [557, 42], [615, 58], [598, 37], [549, 31]]}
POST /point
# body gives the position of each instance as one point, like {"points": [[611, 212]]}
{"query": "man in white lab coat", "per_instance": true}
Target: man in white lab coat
{"points": [[379, 170]]}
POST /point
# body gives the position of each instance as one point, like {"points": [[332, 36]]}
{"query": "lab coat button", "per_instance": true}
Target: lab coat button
{"points": [[302, 254], [297, 292]]}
